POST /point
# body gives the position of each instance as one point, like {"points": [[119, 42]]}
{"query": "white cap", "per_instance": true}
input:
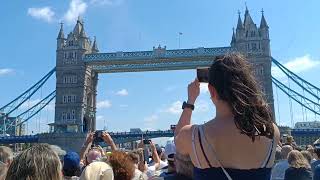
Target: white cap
{"points": [[170, 149]]}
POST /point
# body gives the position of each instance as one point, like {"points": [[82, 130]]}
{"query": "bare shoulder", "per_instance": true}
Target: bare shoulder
{"points": [[183, 140], [276, 132]]}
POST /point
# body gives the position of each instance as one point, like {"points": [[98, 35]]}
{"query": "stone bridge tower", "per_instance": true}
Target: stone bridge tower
{"points": [[254, 42], [76, 83]]}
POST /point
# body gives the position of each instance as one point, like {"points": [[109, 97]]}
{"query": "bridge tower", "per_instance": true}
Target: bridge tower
{"points": [[254, 42], [76, 83]]}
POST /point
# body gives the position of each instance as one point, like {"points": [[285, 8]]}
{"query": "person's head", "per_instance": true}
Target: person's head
{"points": [[184, 165], [286, 149], [170, 151], [297, 160], [289, 139], [134, 157], [71, 164], [317, 150], [306, 154], [97, 171], [92, 155], [6, 157], [233, 88], [122, 165], [38, 162]]}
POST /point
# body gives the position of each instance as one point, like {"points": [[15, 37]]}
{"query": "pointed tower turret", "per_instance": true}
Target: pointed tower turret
{"points": [[247, 19], [60, 38], [263, 22], [233, 40], [94, 48], [83, 32], [78, 27], [239, 25]]}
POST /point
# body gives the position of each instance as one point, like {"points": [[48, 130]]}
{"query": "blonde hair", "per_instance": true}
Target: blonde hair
{"points": [[38, 162], [297, 160]]}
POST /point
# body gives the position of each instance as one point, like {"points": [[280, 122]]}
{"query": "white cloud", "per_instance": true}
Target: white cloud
{"points": [[106, 2], [122, 92], [6, 71], [104, 104], [297, 65], [29, 103], [204, 88], [175, 108], [44, 13], [76, 8], [201, 106]]}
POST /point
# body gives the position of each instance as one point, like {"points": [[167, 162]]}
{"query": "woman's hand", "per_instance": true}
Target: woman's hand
{"points": [[193, 91], [107, 138]]}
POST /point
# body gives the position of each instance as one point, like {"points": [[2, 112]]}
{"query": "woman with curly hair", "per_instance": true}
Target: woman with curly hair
{"points": [[240, 141], [122, 165]]}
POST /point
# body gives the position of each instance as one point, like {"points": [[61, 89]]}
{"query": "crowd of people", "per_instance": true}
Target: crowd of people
{"points": [[241, 142], [41, 162]]}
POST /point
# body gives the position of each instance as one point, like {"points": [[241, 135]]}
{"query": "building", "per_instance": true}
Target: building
{"points": [[306, 133], [254, 43], [76, 83]]}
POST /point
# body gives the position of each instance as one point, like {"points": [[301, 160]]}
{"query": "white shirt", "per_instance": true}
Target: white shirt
{"points": [[279, 170]]}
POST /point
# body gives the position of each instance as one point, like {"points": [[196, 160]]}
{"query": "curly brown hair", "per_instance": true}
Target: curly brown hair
{"points": [[232, 77], [123, 167]]}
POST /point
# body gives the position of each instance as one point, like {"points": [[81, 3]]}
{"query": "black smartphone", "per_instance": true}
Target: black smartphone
{"points": [[146, 141], [97, 137], [203, 74]]}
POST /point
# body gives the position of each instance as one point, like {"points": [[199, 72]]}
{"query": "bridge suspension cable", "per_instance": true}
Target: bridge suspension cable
{"points": [[17, 102], [305, 85], [31, 112], [302, 100]]}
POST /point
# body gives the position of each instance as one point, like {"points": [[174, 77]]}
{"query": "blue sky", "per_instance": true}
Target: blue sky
{"points": [[149, 100]]}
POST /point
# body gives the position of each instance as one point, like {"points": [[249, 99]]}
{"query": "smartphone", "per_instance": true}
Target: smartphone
{"points": [[146, 141], [97, 137], [203, 74]]}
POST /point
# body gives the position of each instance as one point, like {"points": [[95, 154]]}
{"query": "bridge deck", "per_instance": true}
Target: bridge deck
{"points": [[157, 60]]}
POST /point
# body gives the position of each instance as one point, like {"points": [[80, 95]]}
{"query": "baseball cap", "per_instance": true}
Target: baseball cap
{"points": [[71, 160], [170, 148]]}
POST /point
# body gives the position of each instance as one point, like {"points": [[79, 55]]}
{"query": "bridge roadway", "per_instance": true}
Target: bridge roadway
{"points": [[118, 137], [159, 59]]}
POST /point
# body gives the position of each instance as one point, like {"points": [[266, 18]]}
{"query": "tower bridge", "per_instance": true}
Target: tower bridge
{"points": [[79, 63]]}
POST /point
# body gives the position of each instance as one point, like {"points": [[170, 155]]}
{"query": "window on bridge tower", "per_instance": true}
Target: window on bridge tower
{"points": [[64, 100], [73, 114], [64, 116]]}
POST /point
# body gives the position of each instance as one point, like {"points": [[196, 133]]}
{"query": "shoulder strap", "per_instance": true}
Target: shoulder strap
{"points": [[194, 146], [214, 153], [266, 161], [200, 134]]}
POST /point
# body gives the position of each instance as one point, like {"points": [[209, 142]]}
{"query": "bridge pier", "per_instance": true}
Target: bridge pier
{"points": [[66, 141]]}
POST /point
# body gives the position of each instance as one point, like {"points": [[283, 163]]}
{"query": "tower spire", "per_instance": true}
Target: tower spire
{"points": [[233, 40], [94, 48], [239, 25], [61, 34], [82, 32], [263, 22], [247, 18]]}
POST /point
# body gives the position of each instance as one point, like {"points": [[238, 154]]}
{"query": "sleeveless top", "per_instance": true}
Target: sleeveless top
{"points": [[221, 173]]}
